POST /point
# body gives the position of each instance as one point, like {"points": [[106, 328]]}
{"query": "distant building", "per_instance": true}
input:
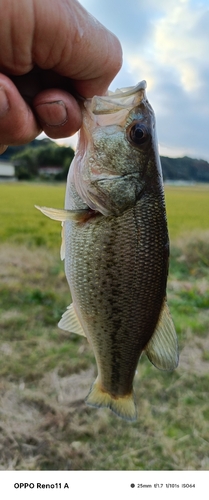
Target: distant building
{"points": [[7, 171], [49, 170]]}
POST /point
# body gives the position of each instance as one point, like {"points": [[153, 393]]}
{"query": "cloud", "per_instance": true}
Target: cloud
{"points": [[167, 44], [120, 17], [181, 42]]}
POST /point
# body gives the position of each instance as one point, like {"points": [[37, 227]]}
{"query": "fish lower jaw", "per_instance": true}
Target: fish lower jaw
{"points": [[123, 406]]}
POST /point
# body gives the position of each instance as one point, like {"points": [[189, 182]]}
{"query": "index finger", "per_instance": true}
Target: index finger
{"points": [[58, 35], [83, 49]]}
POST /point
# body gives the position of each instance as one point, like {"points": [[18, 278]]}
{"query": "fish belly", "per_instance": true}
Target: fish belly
{"points": [[117, 271]]}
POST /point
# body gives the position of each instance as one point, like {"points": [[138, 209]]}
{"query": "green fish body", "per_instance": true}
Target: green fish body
{"points": [[116, 248]]}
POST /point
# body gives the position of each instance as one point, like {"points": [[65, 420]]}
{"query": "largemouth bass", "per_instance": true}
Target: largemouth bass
{"points": [[116, 245]]}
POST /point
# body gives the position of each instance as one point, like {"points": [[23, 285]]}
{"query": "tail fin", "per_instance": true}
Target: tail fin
{"points": [[123, 406]]}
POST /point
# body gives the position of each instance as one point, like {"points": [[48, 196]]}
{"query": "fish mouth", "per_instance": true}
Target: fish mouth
{"points": [[123, 98], [112, 195], [109, 177]]}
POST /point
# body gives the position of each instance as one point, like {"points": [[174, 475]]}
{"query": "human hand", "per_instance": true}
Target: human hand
{"points": [[50, 50]]}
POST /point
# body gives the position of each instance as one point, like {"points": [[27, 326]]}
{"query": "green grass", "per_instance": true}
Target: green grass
{"points": [[46, 373], [187, 209], [20, 220]]}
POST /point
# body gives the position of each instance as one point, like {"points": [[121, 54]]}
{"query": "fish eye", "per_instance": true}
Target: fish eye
{"points": [[138, 134]]}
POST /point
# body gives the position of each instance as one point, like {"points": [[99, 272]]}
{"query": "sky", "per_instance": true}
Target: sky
{"points": [[166, 43]]}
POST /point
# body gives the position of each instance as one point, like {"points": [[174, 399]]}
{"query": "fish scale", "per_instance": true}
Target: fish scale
{"points": [[116, 246], [134, 279]]}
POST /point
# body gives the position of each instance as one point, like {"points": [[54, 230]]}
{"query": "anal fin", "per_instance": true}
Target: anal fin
{"points": [[162, 349], [70, 322]]}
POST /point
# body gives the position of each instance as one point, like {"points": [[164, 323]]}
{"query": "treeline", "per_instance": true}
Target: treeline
{"points": [[185, 169], [29, 159]]}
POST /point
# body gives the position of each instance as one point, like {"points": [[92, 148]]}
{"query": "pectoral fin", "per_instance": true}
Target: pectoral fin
{"points": [[63, 215], [70, 322], [162, 349]]}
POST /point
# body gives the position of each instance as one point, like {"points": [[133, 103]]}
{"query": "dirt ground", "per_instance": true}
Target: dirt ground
{"points": [[47, 425]]}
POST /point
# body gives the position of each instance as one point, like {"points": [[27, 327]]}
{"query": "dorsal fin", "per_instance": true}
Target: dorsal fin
{"points": [[70, 322], [162, 349]]}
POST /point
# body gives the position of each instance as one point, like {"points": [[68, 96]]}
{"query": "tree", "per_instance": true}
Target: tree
{"points": [[25, 164], [28, 160]]}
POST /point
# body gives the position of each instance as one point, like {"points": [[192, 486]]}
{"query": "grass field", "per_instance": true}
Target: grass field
{"points": [[45, 373], [20, 220], [187, 208]]}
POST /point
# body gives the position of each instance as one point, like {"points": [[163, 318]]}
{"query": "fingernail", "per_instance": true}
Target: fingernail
{"points": [[52, 114], [4, 104]]}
